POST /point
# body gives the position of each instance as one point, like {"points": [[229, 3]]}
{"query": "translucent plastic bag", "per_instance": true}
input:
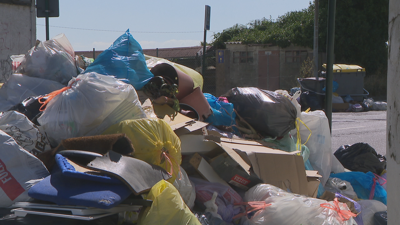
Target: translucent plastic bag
{"points": [[287, 208], [18, 87], [319, 143], [124, 59], [154, 142], [185, 188], [88, 106], [167, 207], [225, 200], [50, 60], [223, 114], [343, 187]]}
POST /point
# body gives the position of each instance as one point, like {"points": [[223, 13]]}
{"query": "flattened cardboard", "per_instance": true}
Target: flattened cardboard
{"points": [[205, 169], [181, 124], [230, 171], [279, 168], [195, 143]]}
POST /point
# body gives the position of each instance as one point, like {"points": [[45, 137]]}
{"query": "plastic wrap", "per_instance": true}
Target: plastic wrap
{"points": [[53, 60], [343, 187], [269, 113], [88, 106], [124, 59], [154, 142], [18, 87], [225, 201], [319, 143], [223, 114], [185, 188], [287, 208], [167, 207]]}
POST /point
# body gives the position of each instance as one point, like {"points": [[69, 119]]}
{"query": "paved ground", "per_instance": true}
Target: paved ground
{"points": [[352, 127]]}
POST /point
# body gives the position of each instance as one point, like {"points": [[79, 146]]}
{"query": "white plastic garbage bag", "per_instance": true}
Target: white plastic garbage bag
{"points": [[17, 167], [19, 87], [24, 132], [88, 106], [369, 208], [287, 208], [319, 143], [53, 59]]}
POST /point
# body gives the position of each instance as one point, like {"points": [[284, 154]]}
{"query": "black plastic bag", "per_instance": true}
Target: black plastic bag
{"points": [[380, 218], [30, 108], [269, 113], [361, 157]]}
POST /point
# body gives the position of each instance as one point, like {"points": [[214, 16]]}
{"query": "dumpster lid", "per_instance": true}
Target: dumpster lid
{"points": [[337, 68]]}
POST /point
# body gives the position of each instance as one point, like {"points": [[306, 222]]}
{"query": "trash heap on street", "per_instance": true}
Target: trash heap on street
{"points": [[134, 135]]}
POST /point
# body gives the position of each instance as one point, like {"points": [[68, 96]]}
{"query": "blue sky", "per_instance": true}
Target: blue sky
{"points": [[96, 24]]}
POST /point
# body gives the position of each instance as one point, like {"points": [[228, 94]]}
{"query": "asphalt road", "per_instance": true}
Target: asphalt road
{"points": [[352, 127]]}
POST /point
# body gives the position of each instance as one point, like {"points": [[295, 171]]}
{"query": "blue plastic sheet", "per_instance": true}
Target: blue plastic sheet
{"points": [[125, 60], [362, 184]]}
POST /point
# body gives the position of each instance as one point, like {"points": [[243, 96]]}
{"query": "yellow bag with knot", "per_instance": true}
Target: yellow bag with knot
{"points": [[154, 142], [167, 208]]}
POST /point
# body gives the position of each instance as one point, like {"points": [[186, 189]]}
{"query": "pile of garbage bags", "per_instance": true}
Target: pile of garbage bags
{"points": [[134, 135]]}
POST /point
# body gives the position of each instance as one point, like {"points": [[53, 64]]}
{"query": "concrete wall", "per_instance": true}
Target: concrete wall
{"points": [[269, 69], [17, 32], [393, 112]]}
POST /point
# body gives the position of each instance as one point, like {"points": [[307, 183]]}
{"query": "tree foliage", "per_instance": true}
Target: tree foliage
{"points": [[361, 32]]}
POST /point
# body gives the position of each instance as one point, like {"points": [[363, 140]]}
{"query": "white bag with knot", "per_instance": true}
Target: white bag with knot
{"points": [[319, 143], [91, 103], [288, 208]]}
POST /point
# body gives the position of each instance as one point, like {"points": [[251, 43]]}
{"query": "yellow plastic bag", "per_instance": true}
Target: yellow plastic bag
{"points": [[167, 208], [154, 142]]}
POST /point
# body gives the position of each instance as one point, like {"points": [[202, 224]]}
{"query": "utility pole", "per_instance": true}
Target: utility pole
{"points": [[329, 63], [315, 52], [393, 111], [206, 27]]}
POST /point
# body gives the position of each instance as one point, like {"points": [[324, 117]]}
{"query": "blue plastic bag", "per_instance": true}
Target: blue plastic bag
{"points": [[362, 184], [124, 60], [223, 114]]}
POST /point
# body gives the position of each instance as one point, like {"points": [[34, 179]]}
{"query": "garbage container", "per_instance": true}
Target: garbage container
{"points": [[350, 79]]}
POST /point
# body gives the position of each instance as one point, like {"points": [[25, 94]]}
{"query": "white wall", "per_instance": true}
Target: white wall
{"points": [[393, 115], [17, 33]]}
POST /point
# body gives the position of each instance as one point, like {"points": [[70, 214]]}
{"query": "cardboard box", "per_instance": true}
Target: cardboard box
{"points": [[230, 171], [205, 169], [276, 167], [313, 180]]}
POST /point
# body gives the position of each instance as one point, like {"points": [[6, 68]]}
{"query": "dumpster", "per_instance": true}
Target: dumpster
{"points": [[350, 79]]}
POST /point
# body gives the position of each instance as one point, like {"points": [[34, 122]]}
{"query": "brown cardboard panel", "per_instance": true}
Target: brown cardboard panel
{"points": [[313, 179], [282, 169], [205, 169], [195, 144]]}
